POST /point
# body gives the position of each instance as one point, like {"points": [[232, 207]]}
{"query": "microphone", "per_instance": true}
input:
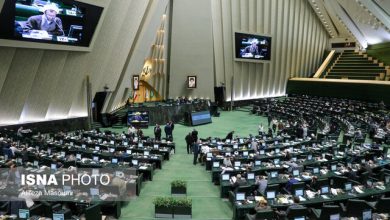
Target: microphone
{"points": [[59, 26]]}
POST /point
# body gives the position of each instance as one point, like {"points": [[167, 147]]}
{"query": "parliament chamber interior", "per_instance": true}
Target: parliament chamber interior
{"points": [[194, 109]]}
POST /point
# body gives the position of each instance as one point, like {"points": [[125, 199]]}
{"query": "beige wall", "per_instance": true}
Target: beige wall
{"points": [[191, 49]]}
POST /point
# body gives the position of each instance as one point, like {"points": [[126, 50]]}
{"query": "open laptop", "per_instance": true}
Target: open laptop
{"points": [[271, 195], [325, 192], [367, 214]]}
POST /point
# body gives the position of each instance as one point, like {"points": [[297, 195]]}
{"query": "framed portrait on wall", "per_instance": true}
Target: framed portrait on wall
{"points": [[135, 82], [191, 80]]}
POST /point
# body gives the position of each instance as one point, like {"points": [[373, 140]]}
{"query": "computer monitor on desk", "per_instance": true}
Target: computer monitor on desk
{"points": [[57, 216], [225, 177], [295, 173], [334, 217], [237, 163], [316, 170], [215, 164], [274, 174], [348, 187], [300, 218], [299, 192], [367, 214], [333, 167], [245, 153], [240, 196], [257, 162], [24, 213], [250, 176], [324, 190], [134, 162], [271, 195], [114, 160]]}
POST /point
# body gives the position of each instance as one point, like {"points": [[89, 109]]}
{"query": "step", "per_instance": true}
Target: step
{"points": [[357, 63], [355, 73], [358, 70], [352, 77], [349, 67], [353, 58]]}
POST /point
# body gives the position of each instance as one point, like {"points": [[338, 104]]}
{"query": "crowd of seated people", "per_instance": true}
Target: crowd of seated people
{"points": [[125, 159], [316, 153]]}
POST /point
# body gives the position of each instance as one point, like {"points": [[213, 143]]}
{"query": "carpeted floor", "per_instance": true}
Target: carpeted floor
{"points": [[207, 205]]}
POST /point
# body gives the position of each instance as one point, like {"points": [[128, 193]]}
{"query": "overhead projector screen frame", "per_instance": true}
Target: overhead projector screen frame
{"points": [[49, 46], [250, 60]]}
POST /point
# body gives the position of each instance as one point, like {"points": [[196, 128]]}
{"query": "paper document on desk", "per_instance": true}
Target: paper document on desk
{"points": [[333, 191], [143, 167], [324, 196], [286, 166], [301, 199], [358, 190]]}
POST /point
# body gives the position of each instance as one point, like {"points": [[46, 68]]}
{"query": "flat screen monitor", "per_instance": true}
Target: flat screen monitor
{"points": [[63, 154], [112, 142], [237, 163], [257, 162], [225, 176], [262, 152], [138, 118], [114, 160], [294, 159], [57, 216], [295, 172], [36, 163], [252, 47], [125, 143], [277, 150], [298, 192], [235, 146], [155, 146], [83, 146], [367, 214], [78, 156], [215, 164], [387, 179], [324, 189], [128, 151], [209, 154], [271, 194], [348, 187], [97, 148], [276, 142], [70, 23], [240, 196], [241, 140], [112, 150], [146, 153], [94, 191], [219, 147], [333, 167], [300, 218], [53, 166], [228, 154], [24, 213], [369, 183], [276, 161], [95, 158], [227, 140], [245, 153], [134, 162], [199, 118], [316, 170], [140, 145], [274, 174], [309, 157], [250, 176], [213, 141], [334, 217]]}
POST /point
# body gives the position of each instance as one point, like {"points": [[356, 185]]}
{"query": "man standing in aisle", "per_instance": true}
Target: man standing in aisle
{"points": [[189, 142], [168, 132], [196, 149], [157, 133]]}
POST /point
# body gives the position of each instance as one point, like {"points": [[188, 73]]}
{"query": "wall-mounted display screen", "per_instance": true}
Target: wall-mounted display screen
{"points": [[252, 47], [66, 22]]}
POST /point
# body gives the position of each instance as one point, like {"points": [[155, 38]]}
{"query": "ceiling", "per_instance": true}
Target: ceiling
{"points": [[366, 21]]}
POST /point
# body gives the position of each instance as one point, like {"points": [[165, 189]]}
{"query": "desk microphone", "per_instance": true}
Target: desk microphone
{"points": [[59, 26]]}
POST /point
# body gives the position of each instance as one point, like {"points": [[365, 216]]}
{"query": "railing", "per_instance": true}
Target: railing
{"points": [[324, 64]]}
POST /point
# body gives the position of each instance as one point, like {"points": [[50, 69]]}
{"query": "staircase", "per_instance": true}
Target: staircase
{"points": [[357, 65], [96, 125]]}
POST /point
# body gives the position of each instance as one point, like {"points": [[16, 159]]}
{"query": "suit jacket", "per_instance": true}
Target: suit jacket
{"points": [[54, 28]]}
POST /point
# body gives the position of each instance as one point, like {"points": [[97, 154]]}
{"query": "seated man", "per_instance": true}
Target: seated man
{"points": [[238, 181], [290, 182], [48, 21], [292, 206], [261, 183]]}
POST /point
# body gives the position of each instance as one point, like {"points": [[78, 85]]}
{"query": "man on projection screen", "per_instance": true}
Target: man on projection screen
{"points": [[47, 22]]}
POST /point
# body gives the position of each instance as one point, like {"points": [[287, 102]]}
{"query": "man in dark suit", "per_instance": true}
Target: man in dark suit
{"points": [[196, 149], [48, 21], [168, 132], [157, 133], [194, 135], [189, 142], [230, 135]]}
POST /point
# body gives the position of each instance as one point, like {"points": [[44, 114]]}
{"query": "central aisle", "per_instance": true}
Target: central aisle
{"points": [[206, 200]]}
